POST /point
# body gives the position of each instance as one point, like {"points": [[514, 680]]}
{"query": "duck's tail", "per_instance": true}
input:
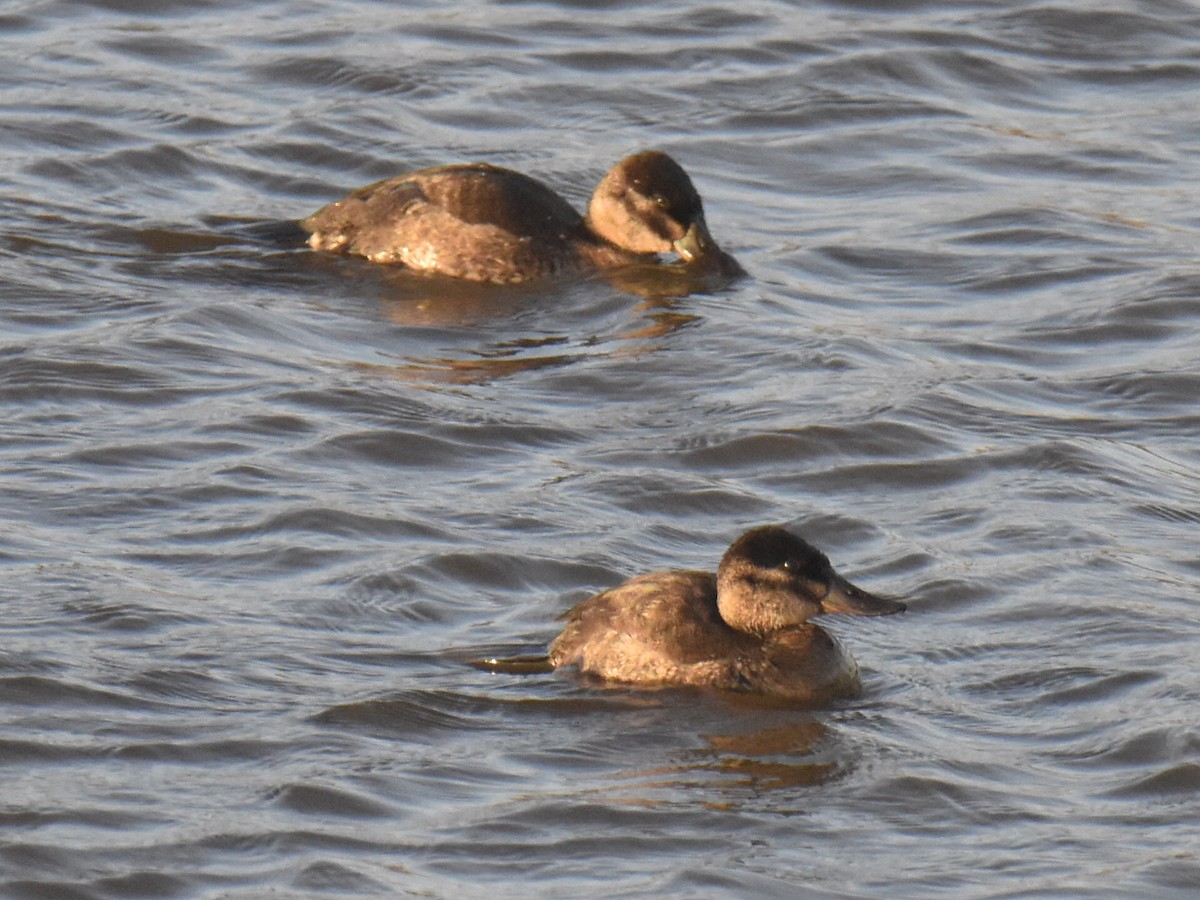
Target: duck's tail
{"points": [[514, 665]]}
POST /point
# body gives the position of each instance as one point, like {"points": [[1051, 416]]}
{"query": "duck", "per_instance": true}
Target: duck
{"points": [[485, 223], [744, 629]]}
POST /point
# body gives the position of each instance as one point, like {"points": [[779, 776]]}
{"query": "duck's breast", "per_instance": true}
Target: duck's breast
{"points": [[803, 663]]}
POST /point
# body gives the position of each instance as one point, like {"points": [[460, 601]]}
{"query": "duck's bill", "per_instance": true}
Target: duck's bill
{"points": [[844, 597], [699, 253], [696, 244]]}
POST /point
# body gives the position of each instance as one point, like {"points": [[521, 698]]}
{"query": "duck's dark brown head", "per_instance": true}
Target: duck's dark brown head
{"points": [[770, 579], [647, 204]]}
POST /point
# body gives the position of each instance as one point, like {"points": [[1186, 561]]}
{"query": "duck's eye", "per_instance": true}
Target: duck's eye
{"points": [[659, 200], [786, 564]]}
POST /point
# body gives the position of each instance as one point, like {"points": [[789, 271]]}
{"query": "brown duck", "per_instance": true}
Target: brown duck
{"points": [[743, 629], [484, 223]]}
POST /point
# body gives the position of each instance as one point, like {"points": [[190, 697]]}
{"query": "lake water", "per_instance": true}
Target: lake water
{"points": [[263, 506]]}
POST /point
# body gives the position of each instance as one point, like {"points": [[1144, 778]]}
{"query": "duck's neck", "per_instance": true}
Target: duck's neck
{"points": [[603, 253], [749, 607]]}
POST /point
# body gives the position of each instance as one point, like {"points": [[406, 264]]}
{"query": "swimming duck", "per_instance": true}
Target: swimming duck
{"points": [[485, 223], [744, 629]]}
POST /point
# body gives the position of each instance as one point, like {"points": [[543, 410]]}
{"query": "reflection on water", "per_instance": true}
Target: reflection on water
{"points": [[746, 756], [442, 306], [412, 299], [783, 758], [492, 365]]}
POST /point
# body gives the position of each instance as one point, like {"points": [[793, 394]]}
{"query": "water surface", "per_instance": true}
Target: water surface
{"points": [[263, 506]]}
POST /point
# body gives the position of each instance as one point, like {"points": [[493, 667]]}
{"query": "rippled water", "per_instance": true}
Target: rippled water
{"points": [[263, 506]]}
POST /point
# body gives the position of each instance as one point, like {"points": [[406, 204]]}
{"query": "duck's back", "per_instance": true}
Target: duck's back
{"points": [[478, 221], [659, 628]]}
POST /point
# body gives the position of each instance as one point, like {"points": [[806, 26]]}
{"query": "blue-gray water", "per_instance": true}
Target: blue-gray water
{"points": [[261, 507]]}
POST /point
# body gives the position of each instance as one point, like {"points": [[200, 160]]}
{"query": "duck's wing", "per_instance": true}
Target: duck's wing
{"points": [[473, 221], [656, 628], [482, 194]]}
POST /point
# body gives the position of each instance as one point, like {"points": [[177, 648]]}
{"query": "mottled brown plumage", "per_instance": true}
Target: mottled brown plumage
{"points": [[744, 629], [485, 223]]}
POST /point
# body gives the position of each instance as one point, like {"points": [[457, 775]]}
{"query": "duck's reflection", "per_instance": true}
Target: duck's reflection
{"points": [[773, 757], [411, 300], [777, 757]]}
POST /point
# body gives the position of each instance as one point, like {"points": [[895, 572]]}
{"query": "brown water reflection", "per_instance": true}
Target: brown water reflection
{"points": [[652, 320], [771, 758], [412, 299], [753, 756]]}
